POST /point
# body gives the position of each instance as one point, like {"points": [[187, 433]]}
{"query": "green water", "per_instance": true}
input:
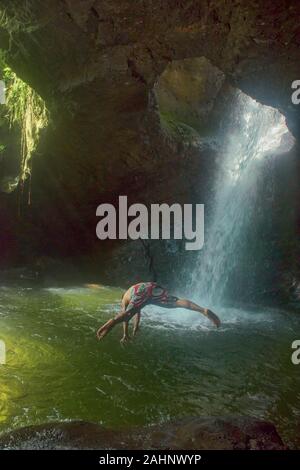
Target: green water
{"points": [[179, 365]]}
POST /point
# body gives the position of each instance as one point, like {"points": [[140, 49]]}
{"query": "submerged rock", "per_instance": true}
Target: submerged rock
{"points": [[188, 433]]}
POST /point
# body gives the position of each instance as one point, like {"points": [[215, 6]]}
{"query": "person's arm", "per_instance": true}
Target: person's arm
{"points": [[136, 325], [125, 332], [107, 327]]}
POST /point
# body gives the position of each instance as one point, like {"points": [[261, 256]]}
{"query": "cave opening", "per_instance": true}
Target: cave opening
{"points": [[248, 254]]}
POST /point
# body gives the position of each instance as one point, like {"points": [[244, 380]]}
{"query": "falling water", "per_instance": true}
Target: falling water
{"points": [[253, 134]]}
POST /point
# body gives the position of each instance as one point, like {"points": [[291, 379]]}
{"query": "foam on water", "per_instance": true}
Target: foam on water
{"points": [[181, 319]]}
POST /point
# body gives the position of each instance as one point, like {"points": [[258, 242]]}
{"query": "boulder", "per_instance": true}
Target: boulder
{"points": [[195, 433]]}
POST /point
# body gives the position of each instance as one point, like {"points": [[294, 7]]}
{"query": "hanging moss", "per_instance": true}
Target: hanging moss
{"points": [[14, 18], [26, 110]]}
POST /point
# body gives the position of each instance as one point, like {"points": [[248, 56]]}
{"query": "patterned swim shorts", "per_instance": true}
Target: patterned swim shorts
{"points": [[149, 293]]}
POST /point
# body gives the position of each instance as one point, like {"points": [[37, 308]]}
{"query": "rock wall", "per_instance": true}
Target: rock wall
{"points": [[96, 63]]}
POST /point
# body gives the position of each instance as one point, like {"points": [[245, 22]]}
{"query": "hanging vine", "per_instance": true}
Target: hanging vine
{"points": [[26, 110]]}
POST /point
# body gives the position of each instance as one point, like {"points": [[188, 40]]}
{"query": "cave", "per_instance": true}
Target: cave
{"points": [[119, 125], [245, 140], [164, 102]]}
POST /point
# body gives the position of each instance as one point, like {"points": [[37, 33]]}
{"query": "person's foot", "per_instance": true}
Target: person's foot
{"points": [[213, 317]]}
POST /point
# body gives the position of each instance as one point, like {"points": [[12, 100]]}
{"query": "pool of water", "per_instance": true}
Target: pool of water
{"points": [[179, 365]]}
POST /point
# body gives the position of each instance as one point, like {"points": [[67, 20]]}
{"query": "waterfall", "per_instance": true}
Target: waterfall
{"points": [[250, 135]]}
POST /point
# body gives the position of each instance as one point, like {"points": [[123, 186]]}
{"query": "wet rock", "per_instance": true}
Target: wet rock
{"points": [[188, 433], [18, 275], [95, 64]]}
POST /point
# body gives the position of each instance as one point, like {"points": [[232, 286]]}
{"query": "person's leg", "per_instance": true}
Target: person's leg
{"points": [[184, 303], [136, 324], [187, 304]]}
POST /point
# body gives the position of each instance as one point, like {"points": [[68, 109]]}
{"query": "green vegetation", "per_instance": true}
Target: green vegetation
{"points": [[14, 18], [178, 130], [26, 110]]}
